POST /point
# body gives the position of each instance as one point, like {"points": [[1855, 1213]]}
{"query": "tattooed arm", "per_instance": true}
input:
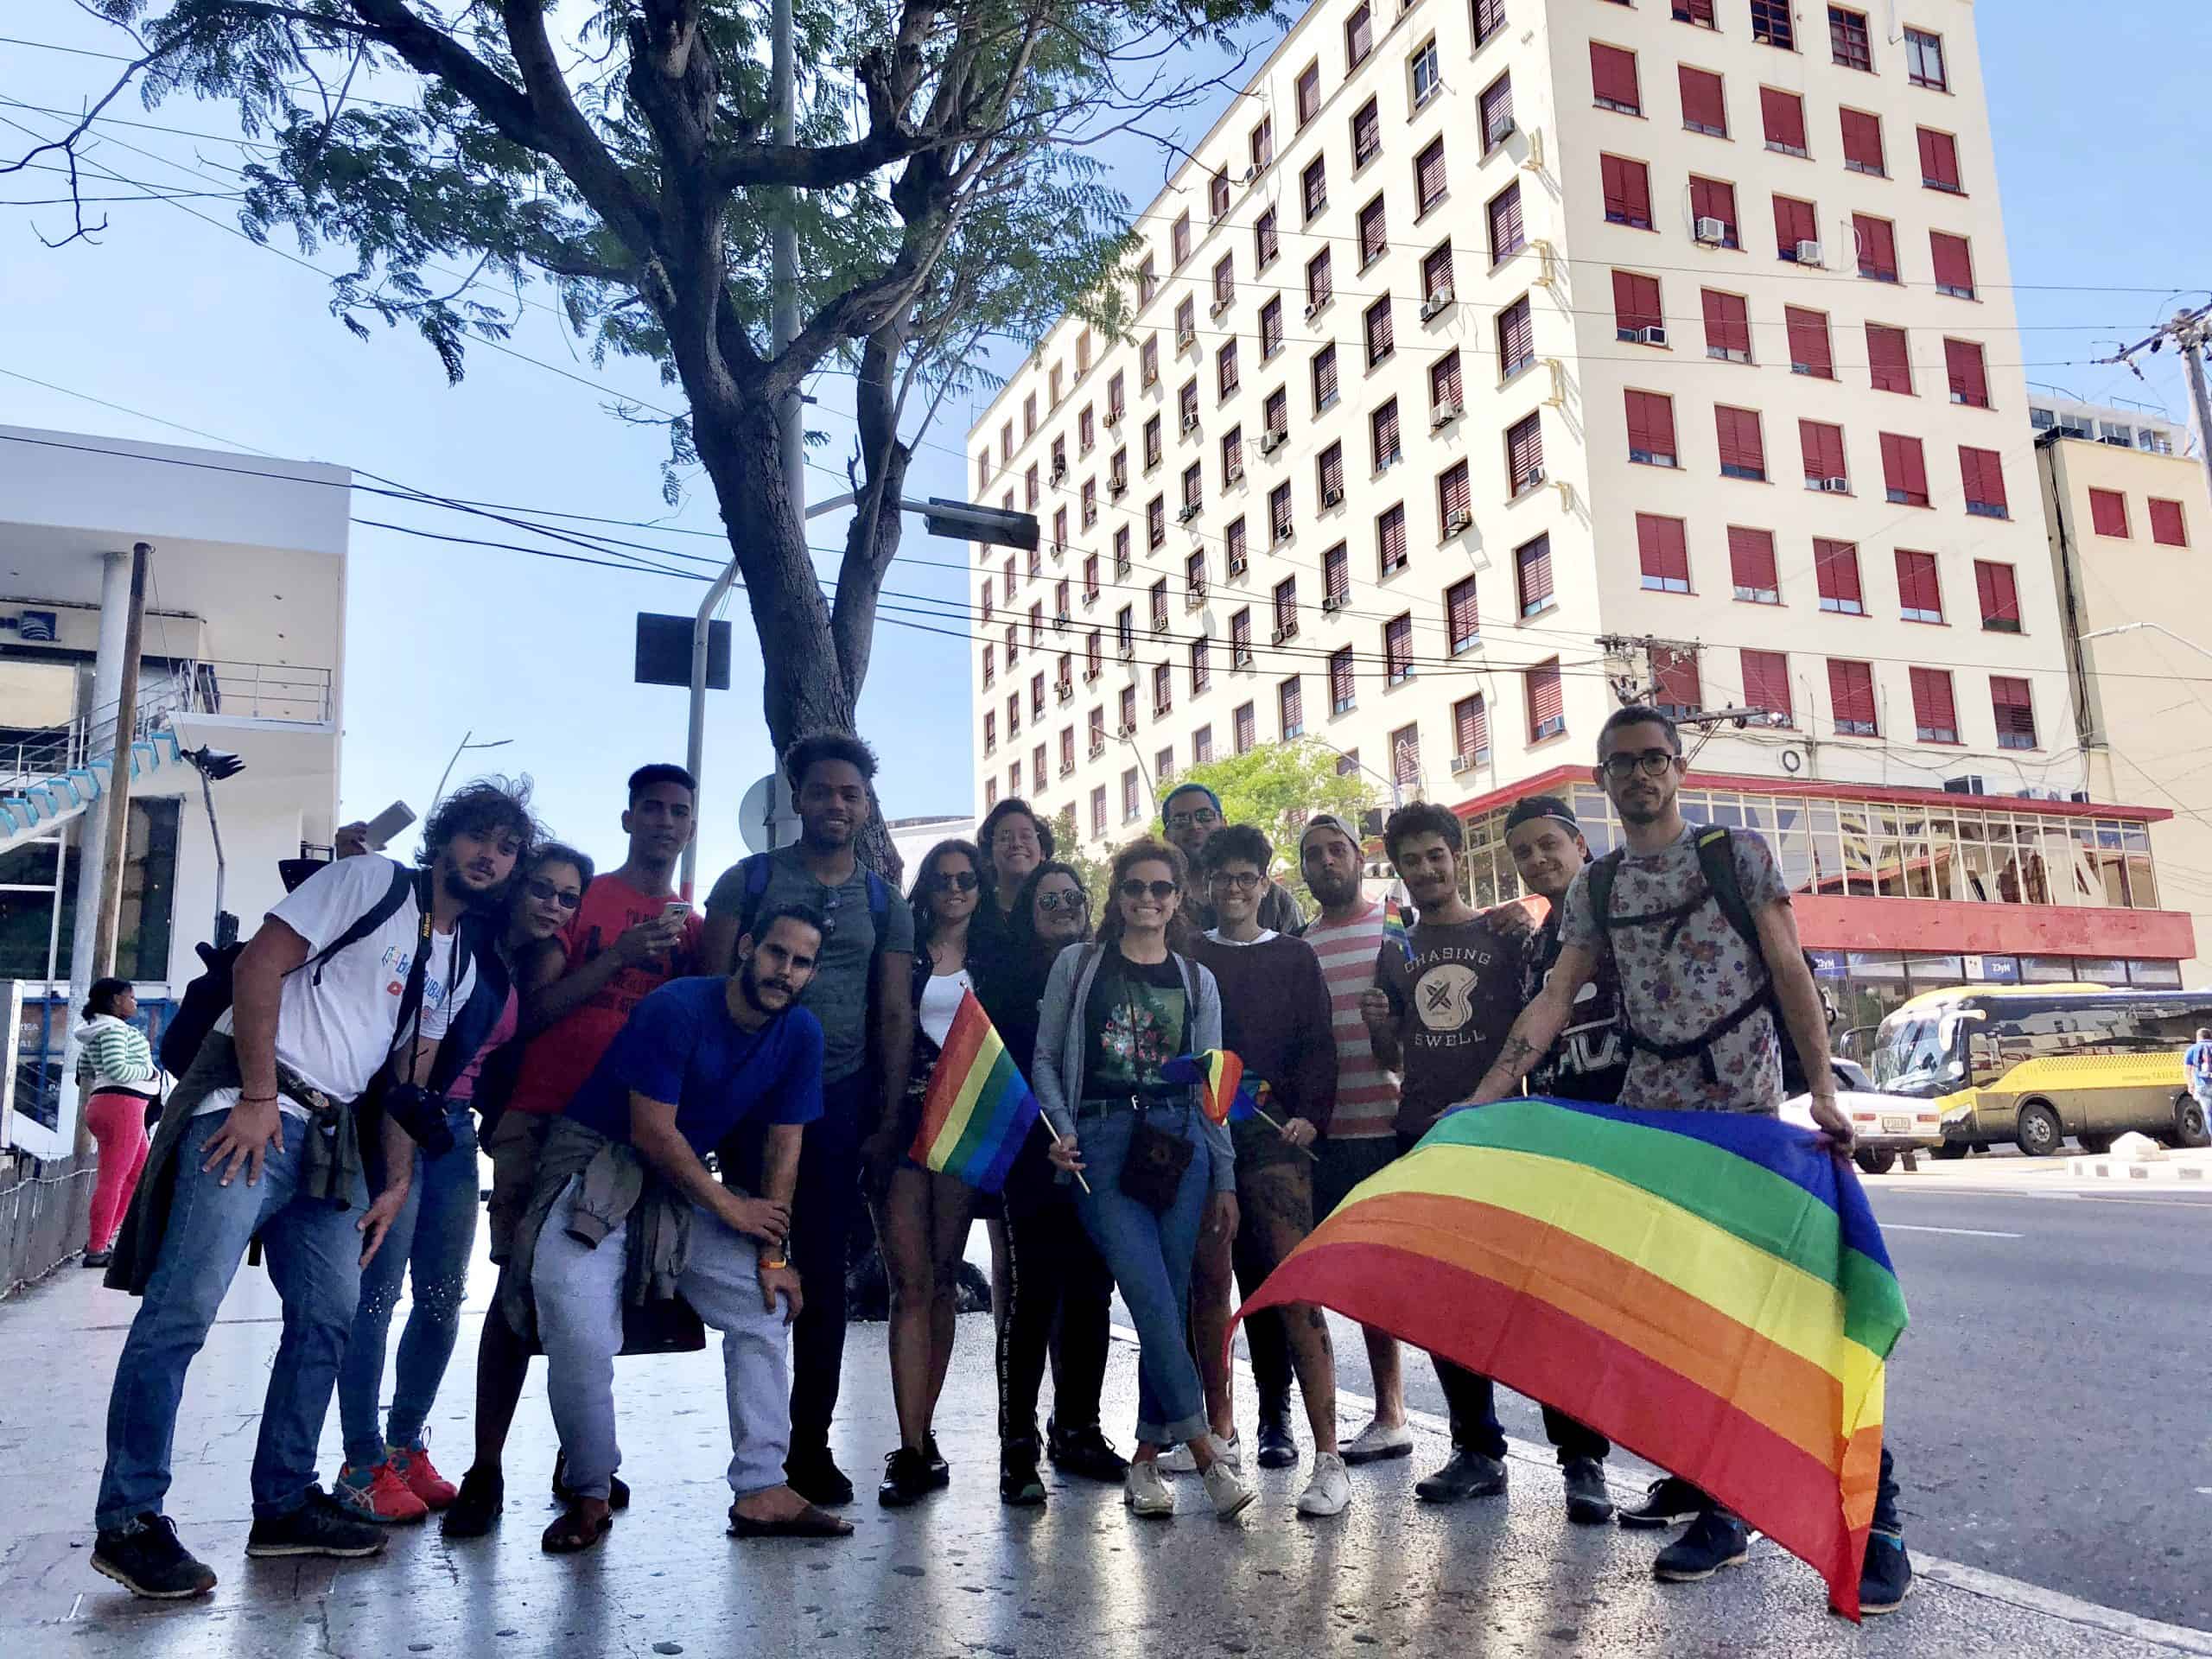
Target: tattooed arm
{"points": [[1539, 1025]]}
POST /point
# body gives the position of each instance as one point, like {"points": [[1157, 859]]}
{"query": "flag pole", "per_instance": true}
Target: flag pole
{"points": [[1258, 1112], [1077, 1173]]}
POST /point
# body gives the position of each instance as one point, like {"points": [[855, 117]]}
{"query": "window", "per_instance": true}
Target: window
{"points": [[1224, 371], [1455, 497], [1796, 231], [1163, 690], [1147, 285], [1462, 621], [1359, 37], [1532, 576], [1037, 765], [1728, 326], [1224, 280], [1935, 716], [1694, 11], [1715, 200], [1245, 727], [1524, 453], [1202, 746], [1635, 305], [1680, 692], [1324, 370], [1835, 573], [1217, 197], [1309, 93], [1969, 373], [1517, 338], [1878, 247], [1261, 144], [1783, 115], [1993, 585], [1086, 431], [1155, 524], [1612, 78], [1849, 40], [1939, 162], [1201, 668], [1186, 322], [1152, 444], [1405, 757], [1382, 434], [1240, 636], [1329, 475], [1662, 554], [1148, 361], [1374, 233], [1013, 714], [1822, 446], [1982, 473], [1059, 533], [1179, 238], [1426, 71], [1163, 765], [1376, 321], [2015, 710], [1125, 627], [1428, 182], [1705, 104], [1436, 274], [1772, 24], [1318, 283], [1129, 796], [1809, 343], [1341, 700], [1954, 260], [1030, 487], [1506, 235], [1889, 361], [1117, 472], [1266, 244], [1862, 143], [1115, 403], [1851, 692], [1628, 191], [1233, 546], [1314, 188], [990, 793], [1489, 18], [990, 731], [2169, 527], [1766, 684], [1280, 528], [1470, 733], [1444, 388], [1193, 485], [1366, 134], [1275, 412], [1751, 566], [1097, 810], [1232, 455], [1743, 444], [1920, 594], [1904, 471], [1923, 60], [1398, 648], [2108, 512], [1290, 707], [1547, 707], [1650, 427], [1286, 602], [1497, 108]]}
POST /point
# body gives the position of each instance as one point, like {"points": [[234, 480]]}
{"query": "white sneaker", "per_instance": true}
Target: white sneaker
{"points": [[1227, 1488], [1179, 1460], [1330, 1490], [1145, 1491], [1377, 1444]]}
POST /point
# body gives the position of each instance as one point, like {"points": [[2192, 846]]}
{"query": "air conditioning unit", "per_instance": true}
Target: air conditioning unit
{"points": [[1333, 497], [1187, 511], [1551, 727], [1313, 308], [1242, 657], [1236, 565], [1958, 397], [1125, 729], [1653, 334], [1498, 134], [1150, 380], [1235, 475], [1331, 603], [1436, 302], [1113, 417], [1728, 353], [1714, 232], [1533, 481], [1097, 747], [1185, 338], [1159, 623], [1460, 521], [1066, 688], [1118, 488], [1836, 486], [1060, 623], [1059, 471], [1189, 424], [1468, 762], [1217, 308], [1286, 631], [1089, 598], [1808, 253], [1195, 599], [1091, 676], [1127, 649], [1443, 415], [1271, 440]]}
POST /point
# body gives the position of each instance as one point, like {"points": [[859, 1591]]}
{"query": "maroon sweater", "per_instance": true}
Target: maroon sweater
{"points": [[1275, 1015]]}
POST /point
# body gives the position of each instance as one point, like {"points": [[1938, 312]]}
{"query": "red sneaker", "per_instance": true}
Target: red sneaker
{"points": [[414, 1466], [377, 1495]]}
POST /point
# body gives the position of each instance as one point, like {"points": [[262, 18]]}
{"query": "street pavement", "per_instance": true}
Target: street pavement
{"points": [[2017, 1429]]}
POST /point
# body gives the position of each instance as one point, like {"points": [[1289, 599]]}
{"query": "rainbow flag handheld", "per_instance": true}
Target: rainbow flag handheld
{"points": [[1709, 1289], [1220, 1077], [978, 1108], [1395, 931]]}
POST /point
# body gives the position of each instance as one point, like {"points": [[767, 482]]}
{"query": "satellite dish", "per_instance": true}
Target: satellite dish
{"points": [[767, 817]]}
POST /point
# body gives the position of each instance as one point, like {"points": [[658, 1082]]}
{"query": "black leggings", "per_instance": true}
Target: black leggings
{"points": [[1053, 1272]]}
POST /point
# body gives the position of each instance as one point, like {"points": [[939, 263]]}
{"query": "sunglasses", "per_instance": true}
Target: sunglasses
{"points": [[542, 891], [1066, 898], [959, 880], [1200, 819], [1652, 763], [1161, 891]]}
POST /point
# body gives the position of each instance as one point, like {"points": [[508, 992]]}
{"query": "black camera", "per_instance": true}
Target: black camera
{"points": [[423, 1115]]}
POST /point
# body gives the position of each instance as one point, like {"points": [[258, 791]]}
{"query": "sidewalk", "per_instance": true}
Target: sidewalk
{"points": [[955, 1577]]}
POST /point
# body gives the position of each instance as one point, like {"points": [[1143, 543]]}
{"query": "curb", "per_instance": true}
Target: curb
{"points": [[2115, 1169]]}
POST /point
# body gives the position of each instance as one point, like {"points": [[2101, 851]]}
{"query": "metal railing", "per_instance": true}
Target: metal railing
{"points": [[280, 691]]}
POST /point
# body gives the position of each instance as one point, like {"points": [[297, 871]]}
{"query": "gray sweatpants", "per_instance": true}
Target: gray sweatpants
{"points": [[579, 1294]]}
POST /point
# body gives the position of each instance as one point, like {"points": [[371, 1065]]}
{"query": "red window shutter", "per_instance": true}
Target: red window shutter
{"points": [[1636, 301], [1878, 247], [1808, 342], [1651, 425], [1428, 174], [1919, 593], [1933, 710], [1705, 105], [1727, 323], [1454, 495], [1889, 358], [1835, 572], [1795, 221], [1713, 199], [1628, 190], [1784, 117], [1612, 76], [1969, 373], [1496, 110], [2000, 595], [1469, 728], [1533, 574], [1862, 141], [2168, 527], [1751, 562], [2014, 706], [1851, 688], [1680, 686], [1662, 553], [1982, 472], [2108, 512], [1545, 702], [1954, 261], [1506, 236], [1905, 470], [1340, 684], [1823, 449], [1292, 694], [1939, 160], [1464, 619], [1741, 444], [1766, 680], [1524, 451]]}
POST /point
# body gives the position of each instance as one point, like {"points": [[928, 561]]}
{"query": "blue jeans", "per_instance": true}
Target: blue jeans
{"points": [[313, 1253], [430, 1241], [1150, 1257]]}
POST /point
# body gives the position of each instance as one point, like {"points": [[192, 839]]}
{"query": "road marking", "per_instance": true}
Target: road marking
{"points": [[1957, 1232], [2068, 1194]]}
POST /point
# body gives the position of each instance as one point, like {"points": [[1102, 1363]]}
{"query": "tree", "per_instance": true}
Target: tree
{"points": [[937, 181], [1277, 788], [1067, 848]]}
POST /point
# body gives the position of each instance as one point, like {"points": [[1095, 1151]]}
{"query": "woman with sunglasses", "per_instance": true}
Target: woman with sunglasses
{"points": [[921, 1215], [1059, 1296], [1115, 1013]]}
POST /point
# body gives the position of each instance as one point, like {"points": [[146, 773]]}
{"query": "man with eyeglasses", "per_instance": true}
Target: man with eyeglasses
{"points": [[1699, 1002], [1192, 817]]}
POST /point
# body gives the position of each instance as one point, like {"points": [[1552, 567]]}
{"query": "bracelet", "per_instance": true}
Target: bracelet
{"points": [[776, 1263], [257, 1100]]}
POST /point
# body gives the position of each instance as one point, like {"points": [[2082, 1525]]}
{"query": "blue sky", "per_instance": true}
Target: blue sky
{"points": [[2100, 157]]}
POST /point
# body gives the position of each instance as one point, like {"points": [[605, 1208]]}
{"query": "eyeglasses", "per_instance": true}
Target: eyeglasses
{"points": [[1198, 820], [960, 880], [1067, 899], [1241, 880], [1161, 891], [542, 891], [1652, 763]]}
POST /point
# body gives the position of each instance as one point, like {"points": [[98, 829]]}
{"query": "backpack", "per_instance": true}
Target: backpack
{"points": [[760, 866], [1716, 862], [207, 997]]}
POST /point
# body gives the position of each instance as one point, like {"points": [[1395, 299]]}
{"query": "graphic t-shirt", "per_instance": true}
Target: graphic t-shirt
{"points": [[562, 1056], [336, 1021], [1133, 1024], [1589, 1061], [1455, 1000], [1367, 1095], [680, 1046], [1686, 970]]}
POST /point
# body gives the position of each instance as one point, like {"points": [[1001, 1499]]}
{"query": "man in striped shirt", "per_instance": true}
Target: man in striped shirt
{"points": [[1348, 937]]}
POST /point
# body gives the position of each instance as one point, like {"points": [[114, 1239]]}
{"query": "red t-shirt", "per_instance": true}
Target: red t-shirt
{"points": [[560, 1057]]}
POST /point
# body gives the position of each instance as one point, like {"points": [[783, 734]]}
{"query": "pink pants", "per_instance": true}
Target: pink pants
{"points": [[118, 1126]]}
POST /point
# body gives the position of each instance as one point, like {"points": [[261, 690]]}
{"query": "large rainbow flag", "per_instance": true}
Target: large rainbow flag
{"points": [[977, 1110], [1709, 1289]]}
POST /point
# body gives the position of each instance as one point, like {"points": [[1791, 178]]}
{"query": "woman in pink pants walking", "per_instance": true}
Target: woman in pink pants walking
{"points": [[115, 1064]]}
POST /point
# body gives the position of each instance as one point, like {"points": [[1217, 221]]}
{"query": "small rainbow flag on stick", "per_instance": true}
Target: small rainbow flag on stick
{"points": [[978, 1108], [1395, 931], [1223, 1095]]}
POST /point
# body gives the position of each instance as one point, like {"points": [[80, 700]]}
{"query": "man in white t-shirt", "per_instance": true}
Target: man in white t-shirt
{"points": [[258, 1142]]}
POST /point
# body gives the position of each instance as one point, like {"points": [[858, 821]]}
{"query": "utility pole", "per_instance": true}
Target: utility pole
{"points": [[2191, 333], [118, 799]]}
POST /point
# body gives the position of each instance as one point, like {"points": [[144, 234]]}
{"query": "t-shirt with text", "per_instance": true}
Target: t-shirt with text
{"points": [[1455, 999]]}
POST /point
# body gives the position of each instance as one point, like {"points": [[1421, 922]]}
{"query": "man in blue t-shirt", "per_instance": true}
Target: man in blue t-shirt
{"points": [[2196, 1069], [697, 1059]]}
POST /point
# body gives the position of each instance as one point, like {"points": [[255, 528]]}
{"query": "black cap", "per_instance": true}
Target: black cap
{"points": [[1542, 806]]}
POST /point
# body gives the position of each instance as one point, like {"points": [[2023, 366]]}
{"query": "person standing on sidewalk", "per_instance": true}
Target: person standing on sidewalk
{"points": [[1440, 1012], [358, 968], [2196, 1068], [861, 992], [1699, 927], [116, 1071]]}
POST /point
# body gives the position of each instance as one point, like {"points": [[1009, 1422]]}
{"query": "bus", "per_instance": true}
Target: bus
{"points": [[2035, 1063]]}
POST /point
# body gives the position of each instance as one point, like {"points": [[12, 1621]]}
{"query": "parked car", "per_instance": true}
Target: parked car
{"points": [[1884, 1126]]}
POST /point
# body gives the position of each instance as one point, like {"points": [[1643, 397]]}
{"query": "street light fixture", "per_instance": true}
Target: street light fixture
{"points": [[214, 766]]}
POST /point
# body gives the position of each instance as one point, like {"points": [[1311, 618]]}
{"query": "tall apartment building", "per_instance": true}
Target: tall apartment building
{"points": [[1490, 357]]}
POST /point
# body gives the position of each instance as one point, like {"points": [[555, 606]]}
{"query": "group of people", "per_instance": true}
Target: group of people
{"points": [[684, 1116]]}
